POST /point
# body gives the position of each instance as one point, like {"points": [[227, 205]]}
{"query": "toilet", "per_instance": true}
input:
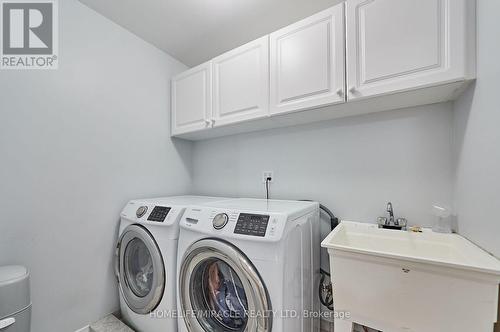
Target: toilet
{"points": [[15, 302]]}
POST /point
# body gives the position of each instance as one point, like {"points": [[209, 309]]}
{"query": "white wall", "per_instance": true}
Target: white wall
{"points": [[477, 139], [353, 165], [75, 145]]}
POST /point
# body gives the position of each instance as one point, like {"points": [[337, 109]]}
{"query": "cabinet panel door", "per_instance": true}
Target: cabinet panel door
{"points": [[395, 45], [241, 83], [192, 99], [308, 62]]}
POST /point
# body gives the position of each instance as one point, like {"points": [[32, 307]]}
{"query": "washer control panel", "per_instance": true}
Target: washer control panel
{"points": [[159, 213], [220, 220], [235, 224], [252, 224]]}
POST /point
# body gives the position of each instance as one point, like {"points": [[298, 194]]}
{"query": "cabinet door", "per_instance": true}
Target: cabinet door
{"points": [[308, 62], [192, 100], [395, 45], [241, 83]]}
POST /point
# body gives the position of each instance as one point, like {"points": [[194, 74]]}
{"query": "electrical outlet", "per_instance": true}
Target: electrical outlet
{"points": [[267, 174]]}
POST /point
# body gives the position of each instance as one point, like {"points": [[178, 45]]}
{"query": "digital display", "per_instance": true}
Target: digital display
{"points": [[252, 224], [159, 213]]}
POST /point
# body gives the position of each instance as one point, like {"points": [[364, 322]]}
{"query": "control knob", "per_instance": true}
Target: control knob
{"points": [[141, 211], [220, 221]]}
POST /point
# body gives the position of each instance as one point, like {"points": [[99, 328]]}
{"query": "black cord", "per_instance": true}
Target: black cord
{"points": [[267, 187], [334, 221], [324, 272]]}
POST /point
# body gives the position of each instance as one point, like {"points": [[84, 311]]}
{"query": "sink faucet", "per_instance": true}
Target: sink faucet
{"points": [[391, 222]]}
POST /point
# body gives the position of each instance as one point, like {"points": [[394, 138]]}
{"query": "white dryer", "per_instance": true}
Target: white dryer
{"points": [[145, 263], [249, 265]]}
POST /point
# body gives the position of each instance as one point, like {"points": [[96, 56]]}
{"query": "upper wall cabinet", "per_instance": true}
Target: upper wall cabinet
{"points": [[308, 63], [358, 57], [192, 100], [396, 45], [241, 83]]}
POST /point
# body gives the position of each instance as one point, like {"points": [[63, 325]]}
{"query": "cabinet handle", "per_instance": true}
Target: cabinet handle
{"points": [[340, 92], [208, 122], [213, 122], [353, 89]]}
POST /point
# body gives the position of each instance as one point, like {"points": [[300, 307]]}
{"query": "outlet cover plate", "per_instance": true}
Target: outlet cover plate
{"points": [[266, 174]]}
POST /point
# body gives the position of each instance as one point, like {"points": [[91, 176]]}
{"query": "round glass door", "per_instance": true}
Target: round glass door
{"points": [[138, 267], [221, 290], [141, 270], [216, 288]]}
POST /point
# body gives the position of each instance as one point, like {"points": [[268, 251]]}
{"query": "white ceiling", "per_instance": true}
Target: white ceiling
{"points": [[194, 31]]}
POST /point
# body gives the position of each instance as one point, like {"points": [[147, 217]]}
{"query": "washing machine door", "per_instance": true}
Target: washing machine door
{"points": [[220, 290], [141, 272]]}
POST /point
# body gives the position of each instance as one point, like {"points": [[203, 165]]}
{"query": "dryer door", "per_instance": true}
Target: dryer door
{"points": [[220, 290], [141, 269]]}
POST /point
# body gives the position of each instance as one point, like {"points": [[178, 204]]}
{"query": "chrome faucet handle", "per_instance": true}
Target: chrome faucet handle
{"points": [[381, 221], [402, 222]]}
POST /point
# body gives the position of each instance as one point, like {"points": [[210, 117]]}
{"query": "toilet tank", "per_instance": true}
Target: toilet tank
{"points": [[15, 302]]}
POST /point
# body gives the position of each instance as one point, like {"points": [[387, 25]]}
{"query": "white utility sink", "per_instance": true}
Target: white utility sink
{"points": [[450, 250], [394, 280]]}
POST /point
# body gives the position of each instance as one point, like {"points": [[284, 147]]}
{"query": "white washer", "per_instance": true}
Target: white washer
{"points": [[146, 255], [249, 265]]}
